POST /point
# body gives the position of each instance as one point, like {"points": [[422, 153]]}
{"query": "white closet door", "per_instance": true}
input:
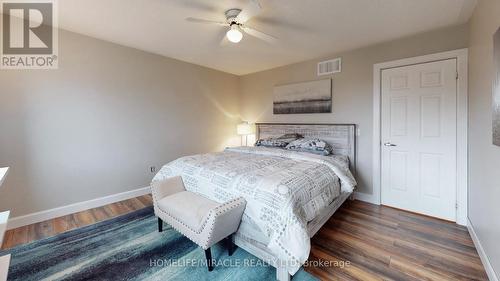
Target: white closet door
{"points": [[419, 138]]}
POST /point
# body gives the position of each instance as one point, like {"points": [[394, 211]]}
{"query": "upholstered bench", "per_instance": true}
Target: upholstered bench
{"points": [[200, 219]]}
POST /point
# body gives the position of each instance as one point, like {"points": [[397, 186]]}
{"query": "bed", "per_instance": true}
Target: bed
{"points": [[290, 195]]}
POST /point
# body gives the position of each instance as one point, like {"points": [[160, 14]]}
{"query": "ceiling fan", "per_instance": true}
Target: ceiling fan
{"points": [[236, 21]]}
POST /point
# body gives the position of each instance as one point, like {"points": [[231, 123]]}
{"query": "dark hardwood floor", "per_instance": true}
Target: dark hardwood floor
{"points": [[29, 233], [383, 243], [360, 242]]}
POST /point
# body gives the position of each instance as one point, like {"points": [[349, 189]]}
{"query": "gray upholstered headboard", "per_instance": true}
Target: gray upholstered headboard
{"points": [[341, 136]]}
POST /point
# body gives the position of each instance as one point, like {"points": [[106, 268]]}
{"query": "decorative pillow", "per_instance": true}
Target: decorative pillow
{"points": [[293, 136], [282, 141], [315, 146], [272, 142]]}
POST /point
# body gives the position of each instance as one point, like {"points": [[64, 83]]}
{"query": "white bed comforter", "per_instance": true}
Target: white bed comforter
{"points": [[283, 189]]}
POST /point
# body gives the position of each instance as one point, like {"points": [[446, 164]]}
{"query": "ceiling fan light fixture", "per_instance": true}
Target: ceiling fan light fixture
{"points": [[234, 34]]}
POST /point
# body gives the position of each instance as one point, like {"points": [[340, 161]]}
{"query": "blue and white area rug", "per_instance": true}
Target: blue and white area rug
{"points": [[130, 247]]}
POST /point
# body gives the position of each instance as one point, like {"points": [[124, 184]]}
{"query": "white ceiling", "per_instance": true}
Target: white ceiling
{"points": [[306, 28]]}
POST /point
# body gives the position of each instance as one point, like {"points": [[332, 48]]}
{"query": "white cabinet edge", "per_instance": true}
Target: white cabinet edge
{"points": [[4, 267], [4, 217], [3, 174]]}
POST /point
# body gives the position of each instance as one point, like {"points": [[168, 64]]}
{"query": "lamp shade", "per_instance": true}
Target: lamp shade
{"points": [[244, 129]]}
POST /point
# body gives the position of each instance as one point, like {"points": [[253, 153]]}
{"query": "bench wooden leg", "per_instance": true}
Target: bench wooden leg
{"points": [[230, 245], [208, 256], [160, 225]]}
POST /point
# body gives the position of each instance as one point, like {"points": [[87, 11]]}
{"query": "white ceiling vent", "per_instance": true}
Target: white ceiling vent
{"points": [[329, 66]]}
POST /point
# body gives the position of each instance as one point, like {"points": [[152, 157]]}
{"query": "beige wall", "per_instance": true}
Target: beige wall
{"points": [[484, 158], [352, 88], [95, 126]]}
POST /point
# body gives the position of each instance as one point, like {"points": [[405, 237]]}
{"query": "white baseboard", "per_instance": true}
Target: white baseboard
{"points": [[74, 208], [366, 198], [482, 254]]}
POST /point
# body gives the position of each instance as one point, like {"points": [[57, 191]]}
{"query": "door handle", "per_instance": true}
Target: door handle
{"points": [[389, 144]]}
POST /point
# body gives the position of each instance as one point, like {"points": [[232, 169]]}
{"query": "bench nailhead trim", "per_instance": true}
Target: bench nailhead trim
{"points": [[213, 216]]}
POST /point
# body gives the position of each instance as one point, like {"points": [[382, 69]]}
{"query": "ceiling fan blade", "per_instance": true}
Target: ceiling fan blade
{"points": [[224, 42], [252, 9], [261, 35], [197, 20]]}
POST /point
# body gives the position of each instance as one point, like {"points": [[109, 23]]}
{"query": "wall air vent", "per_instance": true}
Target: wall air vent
{"points": [[330, 66]]}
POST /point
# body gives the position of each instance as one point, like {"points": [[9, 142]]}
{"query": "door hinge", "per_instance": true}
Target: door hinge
{"points": [[456, 205], [457, 75]]}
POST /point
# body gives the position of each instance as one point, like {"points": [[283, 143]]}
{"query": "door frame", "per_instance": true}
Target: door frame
{"points": [[461, 56]]}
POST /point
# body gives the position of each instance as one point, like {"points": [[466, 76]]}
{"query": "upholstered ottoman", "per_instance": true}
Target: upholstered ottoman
{"points": [[200, 219]]}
